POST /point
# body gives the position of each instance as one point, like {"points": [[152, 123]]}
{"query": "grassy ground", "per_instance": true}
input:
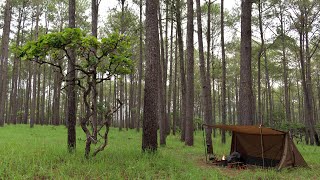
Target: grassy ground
{"points": [[41, 153]]}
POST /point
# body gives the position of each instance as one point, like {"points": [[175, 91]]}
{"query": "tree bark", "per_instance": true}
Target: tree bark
{"points": [[165, 73], [28, 87], [285, 68], [43, 97], [4, 60], [182, 73], [14, 85], [127, 115], [269, 90], [56, 98], [261, 50], [223, 85], [175, 89], [71, 91], [205, 88], [121, 89], [36, 78], [306, 79], [131, 101], [213, 81], [170, 76], [208, 72], [151, 95], [34, 96], [121, 83], [190, 76], [162, 116], [246, 107], [48, 117], [27, 95], [94, 32], [139, 97], [38, 94]]}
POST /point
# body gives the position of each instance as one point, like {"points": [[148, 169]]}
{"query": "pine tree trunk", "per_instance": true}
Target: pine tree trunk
{"points": [[20, 93], [162, 116], [182, 72], [307, 86], [318, 89], [126, 102], [285, 68], [237, 100], [260, 120], [246, 107], [49, 113], [175, 89], [4, 60], [170, 74], [56, 98], [165, 73], [208, 81], [101, 100], [115, 91], [121, 83], [269, 90], [43, 97], [139, 96], [38, 95], [151, 95], [121, 87], [27, 95], [223, 85], [213, 96], [205, 88], [14, 85], [229, 106], [190, 76], [34, 96], [71, 91], [132, 108], [35, 73]]}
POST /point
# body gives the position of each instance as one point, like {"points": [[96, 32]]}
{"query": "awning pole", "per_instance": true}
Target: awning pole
{"points": [[262, 149], [204, 143]]}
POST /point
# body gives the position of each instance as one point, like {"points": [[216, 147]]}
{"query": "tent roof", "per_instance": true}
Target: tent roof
{"points": [[248, 129]]}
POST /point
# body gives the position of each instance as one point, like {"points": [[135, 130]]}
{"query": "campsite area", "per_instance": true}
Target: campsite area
{"points": [[40, 153]]}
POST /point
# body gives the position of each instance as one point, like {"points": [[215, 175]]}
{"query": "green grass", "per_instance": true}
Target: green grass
{"points": [[41, 153]]}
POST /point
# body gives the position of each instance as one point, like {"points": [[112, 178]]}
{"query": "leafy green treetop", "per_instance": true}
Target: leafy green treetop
{"points": [[110, 55]]}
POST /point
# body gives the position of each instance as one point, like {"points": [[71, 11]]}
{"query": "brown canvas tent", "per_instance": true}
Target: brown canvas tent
{"points": [[263, 146]]}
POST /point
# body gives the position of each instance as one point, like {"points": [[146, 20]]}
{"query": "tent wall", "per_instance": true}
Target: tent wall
{"points": [[250, 148]]}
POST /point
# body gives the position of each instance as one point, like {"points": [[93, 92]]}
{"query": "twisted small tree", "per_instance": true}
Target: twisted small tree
{"points": [[108, 57]]}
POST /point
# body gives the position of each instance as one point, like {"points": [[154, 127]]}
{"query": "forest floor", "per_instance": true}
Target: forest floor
{"points": [[41, 153]]}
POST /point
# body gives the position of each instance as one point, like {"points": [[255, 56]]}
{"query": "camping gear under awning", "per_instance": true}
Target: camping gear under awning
{"points": [[263, 146]]}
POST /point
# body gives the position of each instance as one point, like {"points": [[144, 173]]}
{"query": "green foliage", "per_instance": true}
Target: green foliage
{"points": [[109, 55], [44, 157], [286, 126]]}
